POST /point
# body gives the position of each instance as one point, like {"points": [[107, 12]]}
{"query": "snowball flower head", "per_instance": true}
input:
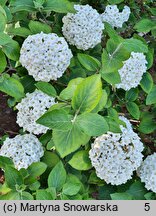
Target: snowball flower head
{"points": [[45, 56], [84, 28], [114, 17], [31, 108], [23, 150], [116, 155], [147, 172], [132, 71]]}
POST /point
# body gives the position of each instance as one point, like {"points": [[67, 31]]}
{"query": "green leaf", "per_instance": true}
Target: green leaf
{"points": [[153, 11], [11, 87], [80, 160], [113, 125], [135, 45], [150, 58], [22, 5], [3, 21], [10, 47], [57, 176], [13, 177], [137, 190], [46, 194], [132, 94], [151, 97], [20, 31], [87, 94], [88, 62], [147, 124], [37, 27], [102, 102], [146, 82], [145, 25], [133, 109], [26, 196], [115, 1], [92, 124], [67, 142], [61, 6], [47, 88], [56, 119], [50, 158], [121, 196], [5, 161], [110, 66], [3, 63], [12, 195], [71, 188], [35, 170], [68, 92]]}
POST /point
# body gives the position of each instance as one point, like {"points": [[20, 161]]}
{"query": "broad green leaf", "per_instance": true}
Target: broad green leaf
{"points": [[20, 31], [71, 188], [115, 1], [110, 66], [61, 6], [87, 94], [11, 87], [146, 82], [151, 97], [28, 83], [67, 142], [150, 196], [26, 196], [150, 58], [147, 124], [12, 195], [93, 179], [153, 11], [37, 27], [113, 113], [68, 92], [121, 196], [80, 160], [137, 190], [92, 124], [145, 25], [35, 170], [105, 191], [132, 94], [5, 161], [133, 109], [135, 45], [3, 62], [46, 194], [47, 88], [22, 5], [13, 177], [88, 62], [101, 103], [113, 34], [114, 126], [57, 176], [50, 158], [2, 21], [9, 46], [56, 119]]}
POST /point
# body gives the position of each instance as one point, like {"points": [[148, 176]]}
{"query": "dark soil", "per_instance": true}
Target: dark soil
{"points": [[7, 118]]}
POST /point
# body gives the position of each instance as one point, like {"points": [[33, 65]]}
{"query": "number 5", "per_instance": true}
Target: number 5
{"points": [[147, 207]]}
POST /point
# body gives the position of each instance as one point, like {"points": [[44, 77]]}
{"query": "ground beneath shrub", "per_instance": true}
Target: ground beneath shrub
{"points": [[7, 118]]}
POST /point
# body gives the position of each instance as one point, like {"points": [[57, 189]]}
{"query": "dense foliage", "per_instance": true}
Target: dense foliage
{"points": [[82, 82]]}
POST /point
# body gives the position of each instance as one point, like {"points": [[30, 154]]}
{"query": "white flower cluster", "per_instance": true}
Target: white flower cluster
{"points": [[114, 17], [132, 71], [31, 108], [116, 155], [84, 28], [23, 150], [45, 56], [147, 172]]}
